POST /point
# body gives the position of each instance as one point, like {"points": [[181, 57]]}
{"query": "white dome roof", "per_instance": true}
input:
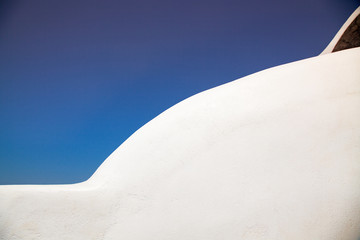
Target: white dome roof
{"points": [[274, 155]]}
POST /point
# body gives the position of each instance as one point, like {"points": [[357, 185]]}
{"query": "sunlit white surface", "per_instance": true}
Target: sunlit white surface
{"points": [[274, 155]]}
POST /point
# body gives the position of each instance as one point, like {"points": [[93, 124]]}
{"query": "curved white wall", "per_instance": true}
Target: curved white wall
{"points": [[274, 155]]}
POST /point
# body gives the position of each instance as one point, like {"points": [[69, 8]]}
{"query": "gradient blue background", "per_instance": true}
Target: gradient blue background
{"points": [[78, 77]]}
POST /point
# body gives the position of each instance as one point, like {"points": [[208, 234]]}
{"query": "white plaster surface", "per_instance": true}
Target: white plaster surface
{"points": [[274, 155]]}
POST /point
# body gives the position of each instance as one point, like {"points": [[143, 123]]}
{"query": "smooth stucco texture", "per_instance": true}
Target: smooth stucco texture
{"points": [[274, 155]]}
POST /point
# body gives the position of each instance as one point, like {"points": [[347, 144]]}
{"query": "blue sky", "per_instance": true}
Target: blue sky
{"points": [[78, 77]]}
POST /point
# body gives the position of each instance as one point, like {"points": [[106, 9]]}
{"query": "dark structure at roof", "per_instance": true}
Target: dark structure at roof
{"points": [[351, 36]]}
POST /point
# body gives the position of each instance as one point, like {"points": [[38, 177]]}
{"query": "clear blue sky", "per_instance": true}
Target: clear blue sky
{"points": [[78, 77]]}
